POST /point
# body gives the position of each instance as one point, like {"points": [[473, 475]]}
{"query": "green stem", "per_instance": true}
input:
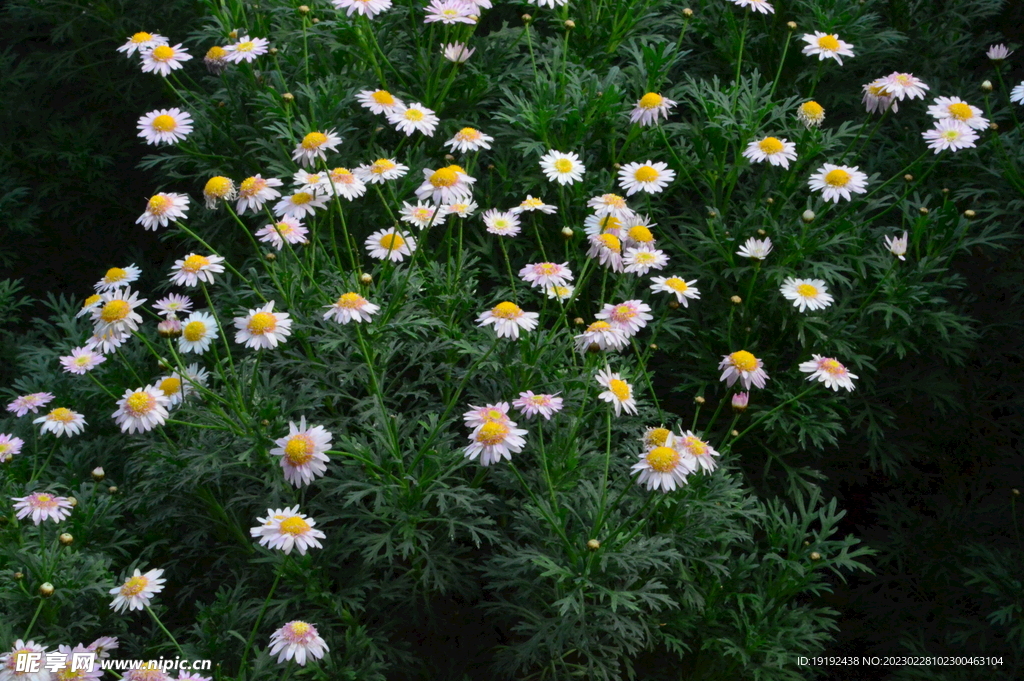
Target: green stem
{"points": [[164, 629], [259, 618]]}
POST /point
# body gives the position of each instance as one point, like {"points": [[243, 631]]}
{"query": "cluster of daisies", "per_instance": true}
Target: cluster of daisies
{"points": [[63, 663]]}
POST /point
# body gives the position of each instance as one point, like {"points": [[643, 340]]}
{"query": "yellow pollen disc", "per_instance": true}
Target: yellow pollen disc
{"points": [[301, 198], [960, 111], [382, 165], [300, 628], [609, 222], [194, 331], [216, 53], [140, 402], [262, 322], [170, 386], [492, 433], [115, 311], [92, 300], [829, 43], [743, 360], [832, 367], [164, 123], [614, 200], [391, 242], [142, 37], [599, 326], [114, 274], [507, 310], [812, 110], [676, 284], [770, 145], [806, 290], [299, 450], [663, 459], [350, 301], [414, 115], [695, 446], [158, 205], [83, 360], [61, 414], [162, 52], [646, 174], [195, 263], [624, 312], [134, 586], [878, 90], [341, 175], [444, 177], [469, 134], [247, 46], [250, 186], [494, 415], [546, 268], [44, 498], [657, 436], [641, 234], [620, 389], [837, 178], [314, 140], [539, 399], [651, 100], [563, 165], [644, 257], [611, 242], [904, 79], [383, 97], [218, 187], [294, 526]]}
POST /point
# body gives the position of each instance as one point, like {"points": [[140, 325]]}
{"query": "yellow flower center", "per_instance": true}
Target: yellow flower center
{"points": [[216, 53], [44, 498], [656, 436], [350, 301], [651, 100], [563, 165], [299, 450], [314, 140], [620, 389], [251, 185], [492, 433], [695, 446], [301, 198], [663, 459], [391, 242], [63, 415], [829, 43], [770, 145], [381, 166], [623, 313], [342, 175], [134, 586], [140, 402], [832, 367], [83, 360], [599, 326], [546, 268], [645, 257], [162, 53], [960, 111], [611, 242], [444, 177], [507, 310], [539, 399], [247, 46], [164, 123], [300, 628], [646, 174], [262, 322], [158, 205], [295, 526], [641, 234], [115, 311], [195, 263], [383, 97], [812, 110], [532, 203], [114, 274], [951, 135], [218, 187], [743, 360], [142, 37], [613, 200], [468, 135], [170, 386], [837, 178], [194, 331], [92, 300], [677, 284], [806, 290], [494, 415], [878, 90], [414, 115]]}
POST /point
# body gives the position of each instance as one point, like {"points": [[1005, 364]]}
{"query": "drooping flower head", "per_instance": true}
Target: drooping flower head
{"points": [[811, 114], [162, 208], [351, 307]]}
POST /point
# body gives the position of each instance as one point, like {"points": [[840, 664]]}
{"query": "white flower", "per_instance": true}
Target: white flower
{"points": [[610, 204], [695, 449], [546, 274], [246, 49], [755, 249], [838, 181], [806, 294], [19, 653], [640, 261], [300, 204], [502, 223], [116, 277], [302, 452], [650, 108], [313, 147], [904, 85], [877, 99], [761, 6], [629, 316], [163, 59], [602, 335], [469, 139], [463, 210], [368, 8], [827, 45], [530, 204], [137, 591], [42, 506], [778, 152], [254, 191], [650, 177], [445, 185], [198, 330], [477, 416], [450, 12], [297, 640], [81, 360], [951, 134], [532, 405], [346, 183], [414, 117], [286, 229], [389, 243], [162, 208], [141, 410], [194, 268], [143, 42], [619, 392], [998, 52], [560, 292], [1017, 93], [744, 367], [351, 307], [684, 290], [494, 440], [116, 312], [378, 101], [287, 529], [897, 245], [811, 114], [607, 249], [457, 53], [564, 168], [830, 372], [954, 108], [508, 318], [548, 3], [663, 467], [165, 126], [262, 327], [423, 215]]}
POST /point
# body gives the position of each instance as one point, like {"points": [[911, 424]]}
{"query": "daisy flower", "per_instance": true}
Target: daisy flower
{"points": [[1017, 93], [378, 101], [216, 60], [662, 467], [761, 6], [116, 311], [998, 52], [560, 292], [695, 449], [469, 139], [161, 209], [828, 371], [951, 134], [141, 410], [70, 667], [508, 318], [477, 416], [838, 181], [302, 452], [445, 185], [143, 42], [194, 268], [117, 277], [165, 126], [502, 223], [602, 335], [755, 249], [414, 117], [29, 403], [42, 506], [684, 290], [381, 170], [897, 245], [310, 182], [218, 188], [137, 591], [629, 316], [450, 12], [422, 215], [103, 645], [198, 330], [163, 59], [904, 85], [636, 231], [650, 108], [90, 304], [287, 529], [811, 114], [564, 168], [548, 3], [389, 243], [263, 328], [956, 109], [108, 341], [545, 274], [610, 204], [493, 440], [603, 224], [368, 8], [531, 404], [827, 45], [877, 99], [806, 294], [740, 401], [81, 360], [649, 177], [778, 152], [345, 183], [176, 390], [618, 392], [20, 654], [641, 260], [62, 421], [531, 204], [147, 671], [287, 229], [246, 49], [10, 447], [607, 249], [463, 210], [255, 191], [351, 307], [299, 205], [457, 53], [655, 437], [313, 146], [298, 640], [744, 367]]}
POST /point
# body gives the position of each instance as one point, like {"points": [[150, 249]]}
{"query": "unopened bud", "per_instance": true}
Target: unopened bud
{"points": [[264, 423], [65, 539], [72, 502], [233, 35], [46, 589], [449, 158], [567, 232], [578, 321], [378, 128], [112, 489], [770, 201], [570, 24], [922, 210], [699, 400], [791, 25], [288, 97], [526, 18], [593, 544], [993, 126], [616, 165], [736, 300], [735, 433], [815, 555], [687, 12], [221, 105], [18, 576], [98, 473], [490, 166], [594, 348], [653, 346], [908, 177], [1015, 492], [986, 86], [169, 328], [808, 216], [270, 257], [969, 213], [740, 401], [807, 543], [673, 304], [315, 20], [272, 50], [712, 214], [761, 232]]}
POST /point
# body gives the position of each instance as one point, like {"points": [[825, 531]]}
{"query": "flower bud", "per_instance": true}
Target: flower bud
{"points": [[270, 257], [567, 232], [922, 210], [449, 158], [993, 126], [594, 348], [490, 166], [233, 35], [65, 539], [315, 20], [807, 543], [712, 214], [653, 346], [986, 86], [98, 473], [761, 232], [740, 401], [1015, 492], [72, 502], [526, 18], [365, 278], [288, 97], [815, 555], [699, 400], [736, 300], [593, 544], [687, 12], [808, 216], [770, 201], [578, 321], [734, 433], [264, 423], [272, 50], [112, 489], [969, 213], [616, 165], [169, 328], [18, 576], [673, 304], [46, 589], [791, 25], [570, 24], [908, 177]]}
